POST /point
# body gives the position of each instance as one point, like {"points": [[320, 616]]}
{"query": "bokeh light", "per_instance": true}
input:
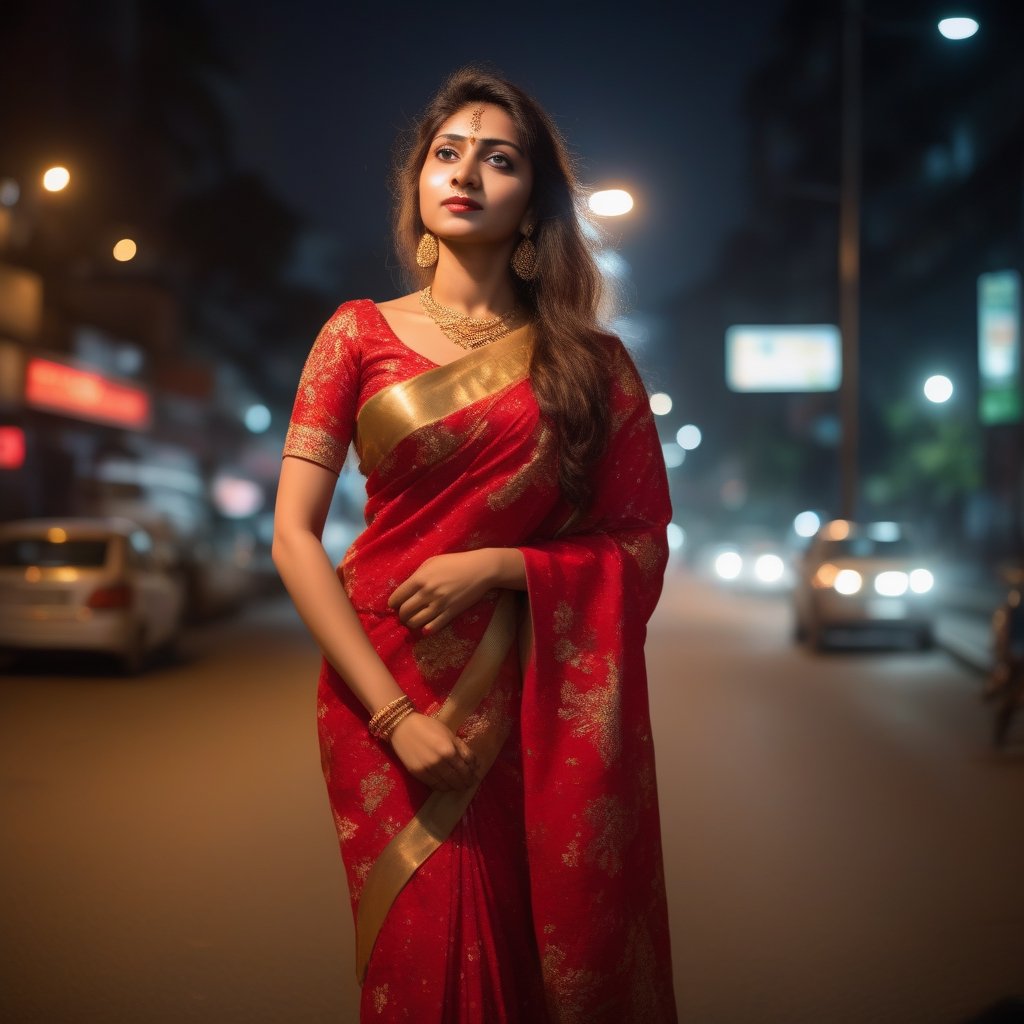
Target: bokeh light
{"points": [[676, 536], [661, 404], [921, 581], [769, 568], [688, 437], [610, 202], [674, 455], [891, 583], [806, 524], [729, 565], [938, 388], [257, 418], [55, 179], [10, 192], [848, 581], [125, 250], [958, 28]]}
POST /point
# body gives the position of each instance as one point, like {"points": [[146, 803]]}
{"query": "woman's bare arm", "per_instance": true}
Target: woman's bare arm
{"points": [[427, 748]]}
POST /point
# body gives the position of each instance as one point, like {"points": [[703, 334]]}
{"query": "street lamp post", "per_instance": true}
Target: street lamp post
{"points": [[849, 237], [849, 255]]}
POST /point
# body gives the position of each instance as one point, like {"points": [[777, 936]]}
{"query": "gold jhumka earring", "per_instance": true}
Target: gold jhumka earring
{"points": [[524, 259], [426, 251]]}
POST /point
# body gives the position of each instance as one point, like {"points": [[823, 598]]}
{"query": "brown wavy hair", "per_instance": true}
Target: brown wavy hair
{"points": [[569, 367]]}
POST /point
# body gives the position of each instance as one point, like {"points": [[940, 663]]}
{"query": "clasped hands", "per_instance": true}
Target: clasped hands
{"points": [[441, 588]]}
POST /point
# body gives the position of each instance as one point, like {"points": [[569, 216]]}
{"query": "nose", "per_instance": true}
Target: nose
{"points": [[466, 173]]}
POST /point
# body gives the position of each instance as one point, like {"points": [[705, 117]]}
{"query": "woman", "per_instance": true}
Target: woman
{"points": [[498, 819]]}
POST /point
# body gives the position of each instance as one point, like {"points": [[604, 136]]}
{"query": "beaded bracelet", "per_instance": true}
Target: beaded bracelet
{"points": [[383, 723]]}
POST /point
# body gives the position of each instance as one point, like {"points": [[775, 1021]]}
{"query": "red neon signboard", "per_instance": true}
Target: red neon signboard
{"points": [[12, 447], [85, 394]]}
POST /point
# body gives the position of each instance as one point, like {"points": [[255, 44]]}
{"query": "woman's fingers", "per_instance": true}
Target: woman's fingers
{"points": [[467, 755], [434, 755], [402, 593], [418, 616]]}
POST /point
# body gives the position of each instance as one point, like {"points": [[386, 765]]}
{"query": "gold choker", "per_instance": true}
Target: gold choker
{"points": [[466, 331]]}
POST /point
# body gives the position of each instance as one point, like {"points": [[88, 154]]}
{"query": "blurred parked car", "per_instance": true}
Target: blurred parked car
{"points": [[89, 585], [862, 576]]}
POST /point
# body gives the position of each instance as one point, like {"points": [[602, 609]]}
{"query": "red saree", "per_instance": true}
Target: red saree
{"points": [[539, 895]]}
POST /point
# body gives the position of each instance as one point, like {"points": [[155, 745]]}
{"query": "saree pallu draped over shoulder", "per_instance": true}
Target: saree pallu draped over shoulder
{"points": [[539, 893]]}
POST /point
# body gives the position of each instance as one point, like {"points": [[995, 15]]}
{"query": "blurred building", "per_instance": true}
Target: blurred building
{"points": [[942, 204], [155, 310]]}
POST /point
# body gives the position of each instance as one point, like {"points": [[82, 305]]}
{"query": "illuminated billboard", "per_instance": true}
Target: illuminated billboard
{"points": [[999, 397], [783, 357], [85, 394]]}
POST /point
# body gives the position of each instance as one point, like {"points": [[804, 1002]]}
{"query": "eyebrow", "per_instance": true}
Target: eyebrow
{"points": [[487, 142]]}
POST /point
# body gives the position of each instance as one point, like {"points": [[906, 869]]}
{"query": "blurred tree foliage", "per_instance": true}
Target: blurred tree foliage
{"points": [[930, 464]]}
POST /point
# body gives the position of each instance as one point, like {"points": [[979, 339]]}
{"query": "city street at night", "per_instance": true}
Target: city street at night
{"points": [[842, 843]]}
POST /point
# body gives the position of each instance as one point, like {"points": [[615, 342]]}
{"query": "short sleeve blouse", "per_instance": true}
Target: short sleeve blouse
{"points": [[324, 413], [354, 356]]}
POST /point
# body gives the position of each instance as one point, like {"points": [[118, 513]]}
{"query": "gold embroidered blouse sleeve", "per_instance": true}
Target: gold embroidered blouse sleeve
{"points": [[323, 417]]}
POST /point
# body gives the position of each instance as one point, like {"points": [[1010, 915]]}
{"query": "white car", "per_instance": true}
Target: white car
{"points": [[86, 585], [863, 576]]}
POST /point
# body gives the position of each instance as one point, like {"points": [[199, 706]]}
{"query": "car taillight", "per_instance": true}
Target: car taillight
{"points": [[117, 596]]}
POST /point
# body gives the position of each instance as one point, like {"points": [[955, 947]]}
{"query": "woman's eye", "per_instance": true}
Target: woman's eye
{"points": [[500, 160], [446, 153]]}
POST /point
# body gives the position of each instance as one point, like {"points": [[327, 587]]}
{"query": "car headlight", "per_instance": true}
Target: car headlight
{"points": [[921, 581], [848, 581], [728, 565], [769, 568], [891, 584]]}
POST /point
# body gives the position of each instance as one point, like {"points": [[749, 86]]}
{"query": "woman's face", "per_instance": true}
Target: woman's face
{"points": [[475, 183]]}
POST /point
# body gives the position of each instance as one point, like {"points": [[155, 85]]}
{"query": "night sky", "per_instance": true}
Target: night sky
{"points": [[648, 96]]}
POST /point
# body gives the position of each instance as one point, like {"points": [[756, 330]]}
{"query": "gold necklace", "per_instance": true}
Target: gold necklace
{"points": [[466, 331]]}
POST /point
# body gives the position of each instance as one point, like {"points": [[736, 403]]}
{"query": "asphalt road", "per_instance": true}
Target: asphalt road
{"points": [[842, 845]]}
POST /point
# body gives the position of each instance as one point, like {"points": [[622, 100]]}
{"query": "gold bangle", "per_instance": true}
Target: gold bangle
{"points": [[384, 720], [401, 716]]}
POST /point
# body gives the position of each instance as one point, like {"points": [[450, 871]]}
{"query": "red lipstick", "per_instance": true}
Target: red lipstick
{"points": [[461, 204]]}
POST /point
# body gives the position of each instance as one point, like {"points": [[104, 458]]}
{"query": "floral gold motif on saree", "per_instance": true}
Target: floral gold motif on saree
{"points": [[594, 713], [539, 469]]}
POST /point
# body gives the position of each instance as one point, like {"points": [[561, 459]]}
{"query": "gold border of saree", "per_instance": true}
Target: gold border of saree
{"points": [[397, 411], [434, 821], [383, 422]]}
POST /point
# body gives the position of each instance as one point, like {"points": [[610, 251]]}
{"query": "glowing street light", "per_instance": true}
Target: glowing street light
{"points": [[938, 389], [56, 179], [610, 202], [958, 28]]}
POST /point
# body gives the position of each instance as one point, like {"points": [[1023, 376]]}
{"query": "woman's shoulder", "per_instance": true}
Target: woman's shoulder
{"points": [[354, 323], [352, 311], [623, 372]]}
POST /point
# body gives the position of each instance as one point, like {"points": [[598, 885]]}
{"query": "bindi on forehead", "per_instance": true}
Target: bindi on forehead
{"points": [[475, 121]]}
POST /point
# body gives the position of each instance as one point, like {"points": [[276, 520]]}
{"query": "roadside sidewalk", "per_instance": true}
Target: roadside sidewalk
{"points": [[967, 637], [963, 624]]}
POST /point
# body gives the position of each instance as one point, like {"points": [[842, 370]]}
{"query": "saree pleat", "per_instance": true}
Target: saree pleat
{"points": [[540, 895]]}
